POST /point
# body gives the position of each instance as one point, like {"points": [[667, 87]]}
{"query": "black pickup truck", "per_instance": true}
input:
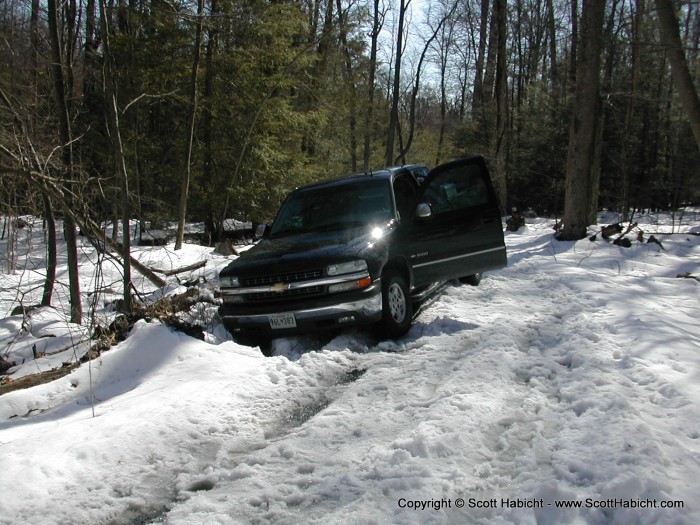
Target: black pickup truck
{"points": [[364, 249]]}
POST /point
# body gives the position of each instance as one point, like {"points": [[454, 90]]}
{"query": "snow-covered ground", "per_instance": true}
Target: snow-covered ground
{"points": [[570, 378]]}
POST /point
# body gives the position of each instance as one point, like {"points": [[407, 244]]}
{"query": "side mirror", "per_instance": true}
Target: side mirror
{"points": [[424, 210], [261, 231]]}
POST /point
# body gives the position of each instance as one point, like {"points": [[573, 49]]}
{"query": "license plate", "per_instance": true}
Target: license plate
{"points": [[278, 321]]}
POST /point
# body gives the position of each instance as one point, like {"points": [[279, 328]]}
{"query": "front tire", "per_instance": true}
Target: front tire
{"points": [[266, 347], [397, 308], [471, 280], [263, 343]]}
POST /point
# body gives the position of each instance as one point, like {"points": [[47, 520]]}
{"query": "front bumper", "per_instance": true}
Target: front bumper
{"points": [[352, 310]]}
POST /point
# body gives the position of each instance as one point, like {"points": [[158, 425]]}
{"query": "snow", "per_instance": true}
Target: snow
{"points": [[570, 376]]}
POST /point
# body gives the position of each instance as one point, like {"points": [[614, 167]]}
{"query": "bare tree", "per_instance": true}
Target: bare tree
{"points": [[585, 119], [625, 157], [118, 152], [208, 97], [396, 90], [62, 68], [185, 182], [50, 222], [40, 173], [478, 98], [377, 23], [445, 44], [351, 82], [500, 96], [417, 83]]}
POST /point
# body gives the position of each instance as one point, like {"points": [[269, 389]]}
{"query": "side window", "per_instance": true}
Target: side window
{"points": [[457, 189], [404, 192]]}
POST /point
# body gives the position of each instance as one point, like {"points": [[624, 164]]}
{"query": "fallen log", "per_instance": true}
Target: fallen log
{"points": [[175, 271]]}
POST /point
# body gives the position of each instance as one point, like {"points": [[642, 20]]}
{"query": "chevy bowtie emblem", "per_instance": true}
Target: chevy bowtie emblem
{"points": [[279, 287]]}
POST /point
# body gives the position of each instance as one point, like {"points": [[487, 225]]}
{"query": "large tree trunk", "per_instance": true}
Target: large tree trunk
{"points": [[670, 36], [498, 140], [573, 64], [582, 137], [69, 228]]}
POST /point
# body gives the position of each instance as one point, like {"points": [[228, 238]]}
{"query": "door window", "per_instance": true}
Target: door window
{"points": [[457, 189]]}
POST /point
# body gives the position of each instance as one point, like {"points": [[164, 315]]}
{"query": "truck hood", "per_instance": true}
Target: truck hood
{"points": [[315, 248]]}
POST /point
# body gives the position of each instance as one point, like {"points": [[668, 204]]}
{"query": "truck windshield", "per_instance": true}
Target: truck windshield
{"points": [[335, 208]]}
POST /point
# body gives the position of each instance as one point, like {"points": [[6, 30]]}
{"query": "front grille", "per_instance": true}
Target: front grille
{"points": [[287, 294], [294, 277]]}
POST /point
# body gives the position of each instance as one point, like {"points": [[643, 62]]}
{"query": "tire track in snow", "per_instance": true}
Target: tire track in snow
{"points": [[216, 450]]}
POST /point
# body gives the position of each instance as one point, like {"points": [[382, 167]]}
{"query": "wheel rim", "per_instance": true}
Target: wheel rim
{"points": [[397, 303]]}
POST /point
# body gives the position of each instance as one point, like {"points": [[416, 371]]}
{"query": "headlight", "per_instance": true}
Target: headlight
{"points": [[226, 281], [347, 267]]}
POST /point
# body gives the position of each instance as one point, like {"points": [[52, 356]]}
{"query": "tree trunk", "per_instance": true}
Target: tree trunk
{"points": [[50, 252], [574, 43], [396, 90], [498, 142], [625, 157], [369, 112], [50, 278], [670, 37], [552, 30], [69, 228], [446, 44], [582, 137], [490, 64], [10, 221], [34, 41], [33, 170], [416, 86], [211, 225], [118, 152], [350, 76], [478, 97], [185, 183]]}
